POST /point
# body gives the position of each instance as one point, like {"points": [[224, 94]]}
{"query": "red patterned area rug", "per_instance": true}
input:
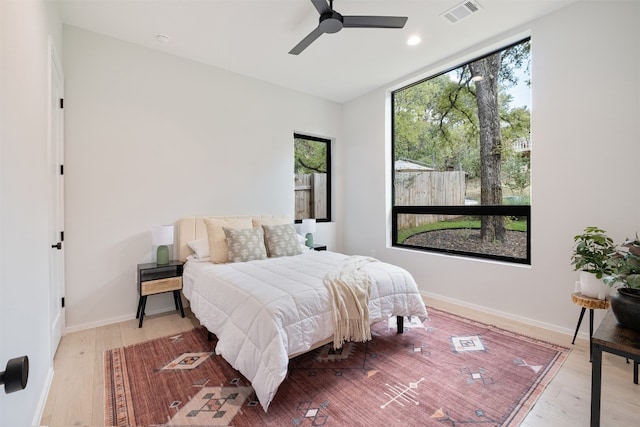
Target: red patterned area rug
{"points": [[447, 371]]}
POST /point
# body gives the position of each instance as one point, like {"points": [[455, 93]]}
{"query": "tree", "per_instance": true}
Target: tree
{"points": [[488, 68], [492, 72], [434, 122]]}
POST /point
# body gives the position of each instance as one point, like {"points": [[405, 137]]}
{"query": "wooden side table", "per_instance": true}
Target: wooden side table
{"points": [[615, 339], [590, 303], [156, 279]]}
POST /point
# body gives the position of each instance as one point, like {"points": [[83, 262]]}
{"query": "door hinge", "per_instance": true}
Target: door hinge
{"points": [[61, 103], [62, 236], [62, 302], [61, 169]]}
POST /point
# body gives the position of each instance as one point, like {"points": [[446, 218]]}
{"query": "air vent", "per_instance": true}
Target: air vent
{"points": [[461, 11]]}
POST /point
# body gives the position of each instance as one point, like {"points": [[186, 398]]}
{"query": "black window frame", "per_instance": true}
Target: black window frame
{"points": [[328, 142], [463, 210], [501, 210]]}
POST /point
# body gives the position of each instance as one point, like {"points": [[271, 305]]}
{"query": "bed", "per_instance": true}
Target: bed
{"points": [[266, 311]]}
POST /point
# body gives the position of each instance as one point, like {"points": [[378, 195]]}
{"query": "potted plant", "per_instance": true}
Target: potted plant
{"points": [[625, 303], [594, 256]]}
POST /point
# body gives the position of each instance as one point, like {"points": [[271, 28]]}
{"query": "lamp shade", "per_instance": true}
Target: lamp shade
{"points": [[162, 235], [308, 226]]}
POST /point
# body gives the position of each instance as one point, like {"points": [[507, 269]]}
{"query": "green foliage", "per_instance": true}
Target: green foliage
{"points": [[516, 57], [516, 170], [626, 265], [436, 121], [309, 156], [594, 253]]}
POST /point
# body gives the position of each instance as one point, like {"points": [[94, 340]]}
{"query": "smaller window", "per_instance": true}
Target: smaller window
{"points": [[312, 169]]}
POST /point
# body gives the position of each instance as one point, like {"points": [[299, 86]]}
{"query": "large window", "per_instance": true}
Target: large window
{"points": [[461, 159], [312, 169]]}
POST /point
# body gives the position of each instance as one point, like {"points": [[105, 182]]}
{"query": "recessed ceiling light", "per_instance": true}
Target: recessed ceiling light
{"points": [[414, 40], [162, 38]]}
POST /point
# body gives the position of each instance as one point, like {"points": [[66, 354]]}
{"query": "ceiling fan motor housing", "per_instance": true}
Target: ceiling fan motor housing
{"points": [[331, 22]]}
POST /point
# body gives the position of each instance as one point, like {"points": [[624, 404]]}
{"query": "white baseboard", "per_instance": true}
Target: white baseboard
{"points": [[98, 323], [42, 402], [112, 320], [525, 320]]}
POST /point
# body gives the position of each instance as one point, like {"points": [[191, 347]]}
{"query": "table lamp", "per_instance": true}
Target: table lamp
{"points": [[162, 235], [308, 228]]}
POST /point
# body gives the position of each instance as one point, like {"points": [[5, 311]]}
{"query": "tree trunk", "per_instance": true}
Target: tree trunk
{"points": [[492, 227]]}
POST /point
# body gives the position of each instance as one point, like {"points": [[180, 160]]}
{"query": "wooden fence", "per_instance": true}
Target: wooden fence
{"points": [[311, 195], [428, 188]]}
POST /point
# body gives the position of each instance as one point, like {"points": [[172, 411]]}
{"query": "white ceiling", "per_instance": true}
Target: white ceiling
{"points": [[253, 37]]}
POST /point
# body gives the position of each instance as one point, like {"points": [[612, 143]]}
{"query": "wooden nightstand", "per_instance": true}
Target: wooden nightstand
{"points": [[157, 279], [319, 247]]}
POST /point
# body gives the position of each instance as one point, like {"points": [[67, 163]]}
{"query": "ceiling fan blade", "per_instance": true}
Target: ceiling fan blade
{"points": [[313, 35], [322, 6], [374, 21]]}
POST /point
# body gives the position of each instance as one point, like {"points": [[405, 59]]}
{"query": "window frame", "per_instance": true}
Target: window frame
{"points": [[463, 210], [502, 210], [328, 142]]}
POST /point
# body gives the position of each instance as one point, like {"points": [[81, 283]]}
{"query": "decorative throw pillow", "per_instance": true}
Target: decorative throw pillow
{"points": [[218, 250], [245, 244], [281, 240]]}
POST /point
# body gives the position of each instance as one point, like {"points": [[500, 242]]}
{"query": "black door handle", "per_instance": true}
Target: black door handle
{"points": [[16, 374], [57, 246]]}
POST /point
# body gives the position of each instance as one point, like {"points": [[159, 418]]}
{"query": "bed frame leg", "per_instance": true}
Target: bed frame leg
{"points": [[400, 323]]}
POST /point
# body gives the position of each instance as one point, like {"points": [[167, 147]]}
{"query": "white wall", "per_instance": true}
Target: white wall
{"points": [[585, 108], [151, 138], [24, 242]]}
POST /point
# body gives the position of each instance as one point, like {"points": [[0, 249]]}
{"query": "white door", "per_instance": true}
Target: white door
{"points": [[56, 205]]}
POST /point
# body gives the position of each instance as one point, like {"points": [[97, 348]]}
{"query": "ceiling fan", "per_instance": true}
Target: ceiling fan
{"points": [[332, 22]]}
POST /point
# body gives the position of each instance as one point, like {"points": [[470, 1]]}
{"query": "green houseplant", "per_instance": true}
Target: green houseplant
{"points": [[626, 265], [625, 303], [594, 256]]}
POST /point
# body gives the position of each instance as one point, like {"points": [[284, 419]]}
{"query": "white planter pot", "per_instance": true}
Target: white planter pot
{"points": [[593, 287]]}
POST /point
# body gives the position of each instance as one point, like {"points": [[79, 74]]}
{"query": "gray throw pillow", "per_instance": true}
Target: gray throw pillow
{"points": [[281, 240], [245, 244]]}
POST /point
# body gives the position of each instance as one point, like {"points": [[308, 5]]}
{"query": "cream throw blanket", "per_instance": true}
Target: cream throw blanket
{"points": [[349, 290]]}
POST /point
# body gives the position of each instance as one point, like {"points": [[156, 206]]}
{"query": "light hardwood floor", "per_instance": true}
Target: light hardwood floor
{"points": [[76, 395]]}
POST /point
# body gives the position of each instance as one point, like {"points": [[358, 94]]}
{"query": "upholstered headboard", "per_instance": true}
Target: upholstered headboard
{"points": [[193, 228]]}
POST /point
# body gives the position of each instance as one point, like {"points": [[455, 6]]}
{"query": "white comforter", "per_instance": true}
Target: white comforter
{"points": [[265, 311]]}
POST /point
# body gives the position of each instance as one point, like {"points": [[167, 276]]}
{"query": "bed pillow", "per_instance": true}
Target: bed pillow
{"points": [[281, 240], [200, 248], [218, 250], [245, 244]]}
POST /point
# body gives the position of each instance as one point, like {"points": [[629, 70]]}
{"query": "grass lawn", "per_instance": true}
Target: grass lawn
{"points": [[464, 223]]}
